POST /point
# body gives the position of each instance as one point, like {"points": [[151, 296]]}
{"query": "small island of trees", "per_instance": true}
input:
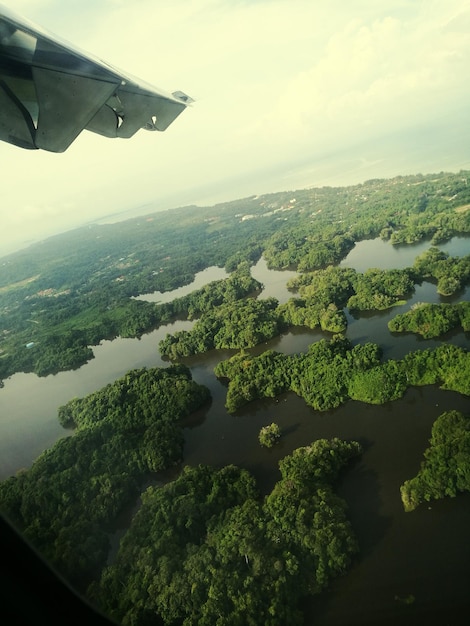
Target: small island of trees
{"points": [[332, 372], [445, 470], [451, 273], [324, 293], [432, 320], [269, 435]]}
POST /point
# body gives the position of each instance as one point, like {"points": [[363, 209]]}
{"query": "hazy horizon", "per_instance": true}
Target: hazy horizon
{"points": [[213, 195]]}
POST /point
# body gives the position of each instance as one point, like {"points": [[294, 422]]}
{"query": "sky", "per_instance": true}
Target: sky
{"points": [[288, 94]]}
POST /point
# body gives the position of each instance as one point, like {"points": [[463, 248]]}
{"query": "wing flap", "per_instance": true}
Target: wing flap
{"points": [[146, 111], [67, 103], [51, 91], [16, 126]]}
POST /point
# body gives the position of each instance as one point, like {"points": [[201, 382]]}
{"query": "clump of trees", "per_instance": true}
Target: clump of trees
{"points": [[445, 470], [380, 289], [320, 376], [307, 249], [68, 499], [324, 293], [237, 286], [242, 324], [269, 435], [379, 384], [447, 365], [432, 320], [205, 549], [332, 372], [451, 273]]}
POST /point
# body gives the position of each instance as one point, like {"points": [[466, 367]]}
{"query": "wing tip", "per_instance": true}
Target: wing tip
{"points": [[183, 97]]}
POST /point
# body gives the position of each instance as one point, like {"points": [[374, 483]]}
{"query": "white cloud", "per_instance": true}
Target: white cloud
{"points": [[386, 74], [276, 82]]}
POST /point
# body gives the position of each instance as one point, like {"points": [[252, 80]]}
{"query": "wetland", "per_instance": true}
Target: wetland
{"points": [[421, 556]]}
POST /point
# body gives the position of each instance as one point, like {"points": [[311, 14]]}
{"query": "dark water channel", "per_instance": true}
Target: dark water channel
{"points": [[424, 554]]}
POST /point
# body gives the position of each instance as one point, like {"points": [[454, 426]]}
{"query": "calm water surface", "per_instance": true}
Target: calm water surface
{"points": [[380, 254], [425, 553], [201, 279]]}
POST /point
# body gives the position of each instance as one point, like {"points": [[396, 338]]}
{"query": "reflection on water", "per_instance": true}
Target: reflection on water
{"points": [[274, 281], [29, 404], [28, 417], [202, 278], [424, 553], [373, 326], [382, 255]]}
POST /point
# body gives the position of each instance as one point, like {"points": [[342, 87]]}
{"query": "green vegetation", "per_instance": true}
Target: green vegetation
{"points": [[379, 384], [240, 324], [307, 251], [451, 273], [332, 372], [68, 344], [381, 289], [445, 470], [73, 492], [75, 290], [323, 295], [269, 435], [432, 320], [237, 286], [320, 376], [206, 550]]}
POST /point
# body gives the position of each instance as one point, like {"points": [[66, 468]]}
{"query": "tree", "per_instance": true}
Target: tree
{"points": [[269, 435], [445, 470], [128, 429], [206, 549]]}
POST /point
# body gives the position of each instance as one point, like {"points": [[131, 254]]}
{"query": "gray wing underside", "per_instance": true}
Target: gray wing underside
{"points": [[51, 91]]}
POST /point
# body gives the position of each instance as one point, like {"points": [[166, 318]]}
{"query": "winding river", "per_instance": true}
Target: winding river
{"points": [[423, 555]]}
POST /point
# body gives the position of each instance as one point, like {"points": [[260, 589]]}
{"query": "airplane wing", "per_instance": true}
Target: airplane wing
{"points": [[50, 91]]}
